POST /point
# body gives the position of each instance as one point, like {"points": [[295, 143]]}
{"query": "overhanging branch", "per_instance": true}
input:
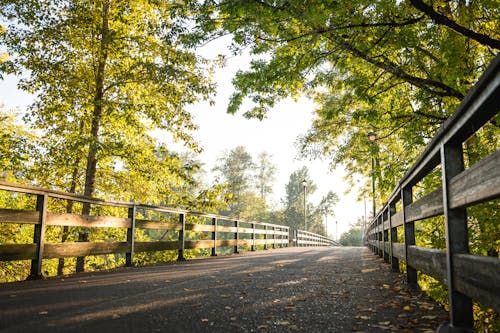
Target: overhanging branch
{"points": [[443, 20]]}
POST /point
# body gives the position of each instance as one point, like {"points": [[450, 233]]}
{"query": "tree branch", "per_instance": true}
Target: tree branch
{"points": [[443, 20], [435, 87]]}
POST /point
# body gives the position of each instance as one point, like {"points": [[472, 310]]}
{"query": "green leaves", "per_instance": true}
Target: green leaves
{"points": [[105, 75], [387, 67]]}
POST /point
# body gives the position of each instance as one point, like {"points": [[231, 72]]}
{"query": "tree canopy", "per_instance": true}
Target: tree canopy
{"points": [[105, 74], [397, 68]]}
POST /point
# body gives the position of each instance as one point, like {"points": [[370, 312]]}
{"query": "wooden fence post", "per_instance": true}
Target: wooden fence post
{"points": [[39, 236], [253, 237], [394, 238], [214, 237], [457, 240], [385, 217], [182, 237], [265, 238], [407, 199], [129, 256], [380, 224], [236, 235]]}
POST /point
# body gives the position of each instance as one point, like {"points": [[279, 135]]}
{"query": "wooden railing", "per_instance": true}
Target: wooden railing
{"points": [[306, 238], [192, 230], [468, 277]]}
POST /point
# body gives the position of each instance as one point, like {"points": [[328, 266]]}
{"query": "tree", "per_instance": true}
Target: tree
{"points": [[14, 146], [235, 167], [395, 68], [105, 74], [326, 206], [307, 44], [353, 236], [264, 177], [294, 200]]}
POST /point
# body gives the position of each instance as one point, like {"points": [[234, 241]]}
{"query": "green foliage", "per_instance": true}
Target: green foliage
{"points": [[245, 183], [353, 236], [384, 66], [293, 203], [264, 176], [14, 146], [105, 75]]}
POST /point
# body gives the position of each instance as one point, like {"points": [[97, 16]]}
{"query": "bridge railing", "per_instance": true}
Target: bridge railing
{"points": [[306, 238], [191, 230], [467, 276]]}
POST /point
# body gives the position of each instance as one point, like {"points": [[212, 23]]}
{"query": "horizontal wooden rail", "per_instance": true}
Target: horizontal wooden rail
{"points": [[475, 275], [468, 277], [222, 231], [201, 231], [307, 238]]}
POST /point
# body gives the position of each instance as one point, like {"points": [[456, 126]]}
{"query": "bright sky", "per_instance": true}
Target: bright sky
{"points": [[277, 134]]}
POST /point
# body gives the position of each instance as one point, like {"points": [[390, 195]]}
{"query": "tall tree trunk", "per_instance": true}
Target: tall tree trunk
{"points": [[96, 121]]}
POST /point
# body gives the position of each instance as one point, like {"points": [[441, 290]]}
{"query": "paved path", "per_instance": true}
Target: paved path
{"points": [[282, 290]]}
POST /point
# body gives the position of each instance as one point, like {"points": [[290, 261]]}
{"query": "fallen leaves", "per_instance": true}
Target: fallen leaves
{"points": [[425, 306], [365, 309], [362, 317], [429, 317], [196, 305]]}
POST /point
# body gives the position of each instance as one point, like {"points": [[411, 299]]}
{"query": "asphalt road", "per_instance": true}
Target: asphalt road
{"points": [[326, 289]]}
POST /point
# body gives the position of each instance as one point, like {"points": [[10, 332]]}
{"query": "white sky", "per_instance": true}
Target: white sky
{"points": [[219, 131]]}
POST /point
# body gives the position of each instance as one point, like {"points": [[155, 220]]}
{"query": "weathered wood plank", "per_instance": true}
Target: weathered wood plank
{"points": [[17, 252], [222, 228], [386, 225], [245, 242], [260, 242], [245, 230], [479, 183], [157, 246], [226, 242], [429, 261], [199, 244], [148, 224], [75, 220], [397, 219], [73, 249], [19, 216], [398, 251], [260, 231], [479, 278], [201, 227], [428, 206]]}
